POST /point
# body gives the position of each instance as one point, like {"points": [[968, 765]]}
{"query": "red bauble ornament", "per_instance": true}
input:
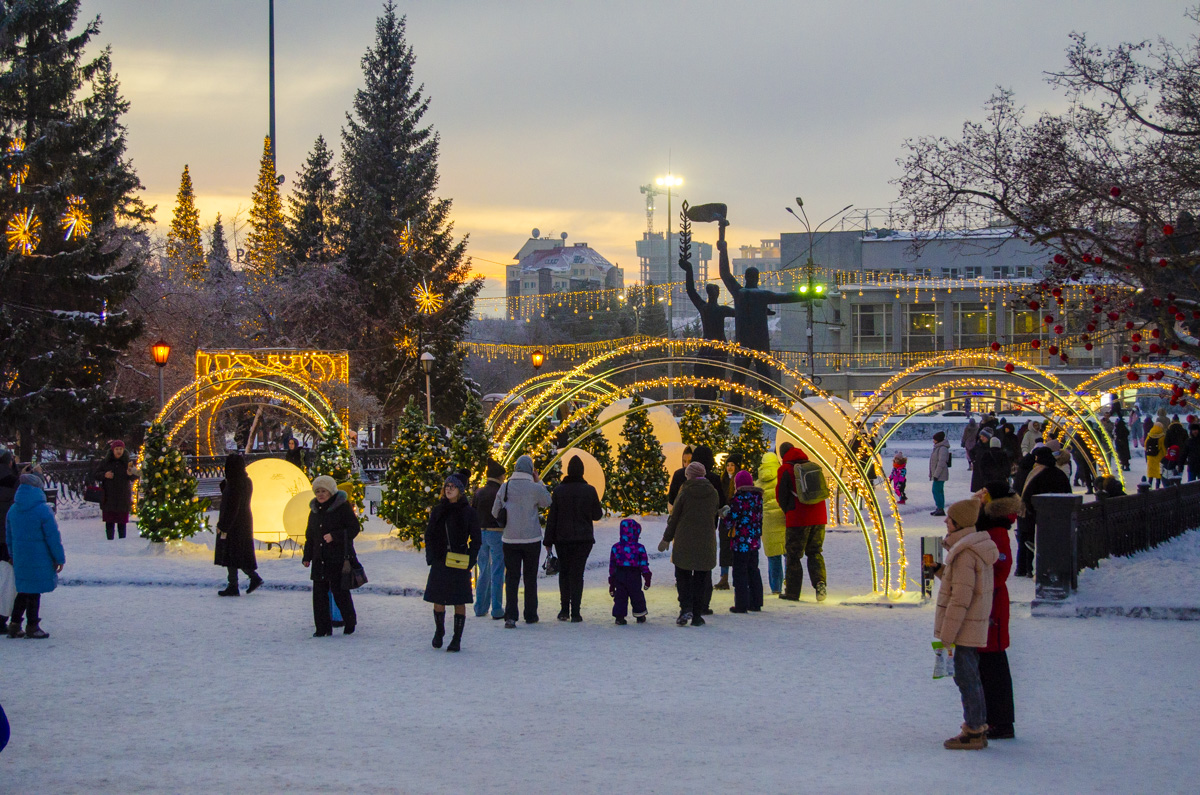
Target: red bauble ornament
{"points": [[1091, 326], [1179, 316], [1158, 375], [1008, 368], [1036, 344], [1056, 292], [1136, 337], [1172, 309], [1185, 365], [1053, 349], [1131, 375], [1098, 261], [1088, 346], [1135, 348], [1059, 259], [1058, 329], [1128, 325], [995, 346], [1096, 309], [1154, 348], [1168, 229], [1124, 360], [1162, 263], [1174, 346], [1154, 333], [1034, 305], [1087, 258], [1114, 191], [1156, 301], [1062, 357], [1048, 319], [1113, 316]]}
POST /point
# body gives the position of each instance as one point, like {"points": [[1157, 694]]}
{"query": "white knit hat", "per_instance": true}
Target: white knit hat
{"points": [[325, 482]]}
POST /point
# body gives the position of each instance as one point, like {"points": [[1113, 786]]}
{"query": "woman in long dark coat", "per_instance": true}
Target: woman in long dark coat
{"points": [[453, 527], [116, 474], [328, 543], [1121, 440], [703, 454], [235, 527]]}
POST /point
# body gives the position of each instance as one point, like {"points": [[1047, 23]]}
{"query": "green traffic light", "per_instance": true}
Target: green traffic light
{"points": [[804, 288], [820, 288]]}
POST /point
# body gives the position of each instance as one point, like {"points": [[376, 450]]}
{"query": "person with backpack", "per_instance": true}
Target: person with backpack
{"points": [[801, 491], [939, 472], [1155, 450]]}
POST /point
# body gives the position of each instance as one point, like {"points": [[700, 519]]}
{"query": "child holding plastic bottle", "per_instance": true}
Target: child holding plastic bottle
{"points": [[899, 476], [628, 568]]}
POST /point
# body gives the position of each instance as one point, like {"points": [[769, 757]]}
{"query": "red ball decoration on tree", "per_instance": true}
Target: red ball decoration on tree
{"points": [[1154, 348], [1179, 316], [1091, 326], [1053, 350], [1185, 365], [1124, 360], [1174, 346], [1008, 368], [1088, 346], [1062, 357], [1034, 305], [1135, 348], [1155, 333], [995, 346], [1059, 259], [1162, 263], [1156, 301], [1131, 375], [1136, 337], [1036, 344], [1087, 258], [1114, 191], [1113, 316], [1158, 375], [1129, 325], [1048, 319], [1168, 230]]}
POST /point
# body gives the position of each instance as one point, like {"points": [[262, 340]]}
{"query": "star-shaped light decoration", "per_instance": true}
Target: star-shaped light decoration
{"points": [[76, 223], [24, 232], [428, 302], [407, 242], [18, 174]]}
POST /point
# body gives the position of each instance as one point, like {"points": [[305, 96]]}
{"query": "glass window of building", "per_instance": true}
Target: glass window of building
{"points": [[1001, 272], [973, 272], [950, 273], [921, 327], [1025, 325], [1024, 272], [924, 273], [872, 325], [974, 325]]}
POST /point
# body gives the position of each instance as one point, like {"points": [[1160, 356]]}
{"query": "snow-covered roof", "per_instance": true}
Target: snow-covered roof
{"points": [[564, 259]]}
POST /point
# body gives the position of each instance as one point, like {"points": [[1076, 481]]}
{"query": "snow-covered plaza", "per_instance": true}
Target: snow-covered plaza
{"points": [[150, 682]]}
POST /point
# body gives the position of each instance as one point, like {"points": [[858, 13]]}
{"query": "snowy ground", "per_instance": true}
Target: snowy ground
{"points": [[164, 687]]}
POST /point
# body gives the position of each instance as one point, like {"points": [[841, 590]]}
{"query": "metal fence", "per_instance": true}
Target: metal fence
{"points": [[1122, 526]]}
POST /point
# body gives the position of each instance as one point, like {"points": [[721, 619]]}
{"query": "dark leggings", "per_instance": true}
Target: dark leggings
{"points": [[28, 605], [119, 527]]}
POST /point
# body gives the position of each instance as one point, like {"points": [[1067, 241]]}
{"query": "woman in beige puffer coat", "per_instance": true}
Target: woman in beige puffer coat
{"points": [[964, 603]]}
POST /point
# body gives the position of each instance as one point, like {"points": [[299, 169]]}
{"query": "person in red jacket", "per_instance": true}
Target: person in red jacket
{"points": [[805, 534], [1000, 506]]}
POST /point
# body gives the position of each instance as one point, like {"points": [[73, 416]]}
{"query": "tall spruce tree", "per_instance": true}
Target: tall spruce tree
{"points": [[311, 226], [640, 485], [266, 252], [388, 176], [185, 251], [69, 263], [218, 260]]}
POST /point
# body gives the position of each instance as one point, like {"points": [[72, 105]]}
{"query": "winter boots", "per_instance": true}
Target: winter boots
{"points": [[682, 621], [723, 584], [14, 630], [33, 630], [460, 621], [968, 739], [255, 581], [439, 622], [621, 621], [564, 614], [821, 592], [229, 590]]}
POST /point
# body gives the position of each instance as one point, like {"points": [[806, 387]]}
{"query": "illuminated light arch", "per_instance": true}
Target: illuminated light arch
{"points": [[1173, 375], [498, 420], [846, 470]]}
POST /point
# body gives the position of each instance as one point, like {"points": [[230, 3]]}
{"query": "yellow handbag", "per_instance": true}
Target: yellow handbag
{"points": [[457, 560]]}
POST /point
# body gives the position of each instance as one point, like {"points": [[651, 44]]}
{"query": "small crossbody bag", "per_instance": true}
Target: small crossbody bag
{"points": [[455, 560]]}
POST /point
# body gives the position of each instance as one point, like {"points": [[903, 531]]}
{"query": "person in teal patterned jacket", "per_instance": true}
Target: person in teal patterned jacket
{"points": [[744, 521]]}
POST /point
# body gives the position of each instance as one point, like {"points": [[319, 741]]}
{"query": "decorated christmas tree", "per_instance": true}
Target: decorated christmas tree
{"points": [[596, 444], [469, 441], [707, 425], [539, 444], [265, 246], [333, 457], [413, 481], [185, 251], [640, 484], [751, 444], [167, 507]]}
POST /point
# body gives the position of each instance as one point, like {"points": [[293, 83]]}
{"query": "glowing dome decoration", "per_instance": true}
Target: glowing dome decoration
{"points": [[76, 223], [19, 174], [666, 430], [295, 515], [24, 232], [276, 482], [816, 410], [592, 471], [427, 300]]}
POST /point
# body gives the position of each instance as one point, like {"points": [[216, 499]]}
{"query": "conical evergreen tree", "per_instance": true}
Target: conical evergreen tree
{"points": [[469, 441], [167, 508], [68, 264], [640, 484], [185, 251], [596, 444], [265, 246], [706, 425], [388, 176], [692, 426], [218, 260], [334, 458], [413, 480], [311, 227], [751, 444]]}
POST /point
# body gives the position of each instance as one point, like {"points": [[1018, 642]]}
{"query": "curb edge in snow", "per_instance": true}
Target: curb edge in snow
{"points": [[1048, 609]]}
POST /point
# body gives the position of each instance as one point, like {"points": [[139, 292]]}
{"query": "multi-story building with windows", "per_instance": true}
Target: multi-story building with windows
{"points": [[549, 265]]}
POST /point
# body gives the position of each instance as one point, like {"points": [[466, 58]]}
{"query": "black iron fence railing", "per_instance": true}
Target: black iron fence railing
{"points": [[1121, 526]]}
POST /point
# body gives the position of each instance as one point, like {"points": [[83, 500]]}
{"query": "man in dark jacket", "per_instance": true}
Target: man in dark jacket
{"points": [[1044, 478], [489, 587], [574, 505], [1192, 452], [805, 533], [678, 478]]}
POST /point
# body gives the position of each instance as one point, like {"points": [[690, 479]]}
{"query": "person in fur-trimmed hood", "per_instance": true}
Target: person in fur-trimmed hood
{"points": [[328, 541], [628, 569], [964, 602], [1000, 507]]}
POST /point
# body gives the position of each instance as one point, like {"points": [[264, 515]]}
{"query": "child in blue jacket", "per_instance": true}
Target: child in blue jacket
{"points": [[628, 567]]}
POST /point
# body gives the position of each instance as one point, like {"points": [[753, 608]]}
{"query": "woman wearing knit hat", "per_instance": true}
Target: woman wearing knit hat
{"points": [[453, 529], [328, 542], [521, 496], [745, 520], [964, 602], [117, 474]]}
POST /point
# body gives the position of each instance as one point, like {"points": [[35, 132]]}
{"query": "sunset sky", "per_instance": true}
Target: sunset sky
{"points": [[552, 114]]}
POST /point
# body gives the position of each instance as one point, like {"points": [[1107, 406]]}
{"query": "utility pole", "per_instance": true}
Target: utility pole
{"points": [[271, 33]]}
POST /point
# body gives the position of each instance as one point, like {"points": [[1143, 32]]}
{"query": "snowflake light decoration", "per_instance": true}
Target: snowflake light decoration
{"points": [[406, 239], [20, 173], [76, 223], [24, 232], [428, 302]]}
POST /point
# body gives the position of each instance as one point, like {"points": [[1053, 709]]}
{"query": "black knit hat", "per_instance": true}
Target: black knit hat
{"points": [[494, 470]]}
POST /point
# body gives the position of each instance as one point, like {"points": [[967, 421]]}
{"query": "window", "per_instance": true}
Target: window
{"points": [[973, 272], [924, 273], [872, 327], [921, 327], [1024, 272], [950, 273], [1001, 272], [1025, 325], [899, 271], [974, 326]]}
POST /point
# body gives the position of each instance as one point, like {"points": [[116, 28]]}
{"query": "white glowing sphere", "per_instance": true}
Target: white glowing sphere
{"points": [[276, 482], [592, 471], [666, 429], [295, 515], [815, 409]]}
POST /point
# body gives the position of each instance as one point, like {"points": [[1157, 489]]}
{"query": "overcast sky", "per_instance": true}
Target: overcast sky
{"points": [[552, 114]]}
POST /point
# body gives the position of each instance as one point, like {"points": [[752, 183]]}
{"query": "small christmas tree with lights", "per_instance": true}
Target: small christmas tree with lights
{"points": [[185, 251], [751, 444], [640, 483], [333, 457], [708, 425], [167, 507], [596, 444], [470, 442], [265, 245], [413, 480]]}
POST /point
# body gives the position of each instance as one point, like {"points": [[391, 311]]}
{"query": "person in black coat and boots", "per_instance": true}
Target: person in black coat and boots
{"points": [[453, 527], [703, 454], [116, 474], [574, 506], [1121, 439], [1044, 478], [235, 527], [328, 543]]}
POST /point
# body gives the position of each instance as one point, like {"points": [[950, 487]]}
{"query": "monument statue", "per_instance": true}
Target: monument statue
{"points": [[712, 313]]}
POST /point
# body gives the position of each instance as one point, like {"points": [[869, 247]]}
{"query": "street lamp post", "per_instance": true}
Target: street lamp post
{"points": [[811, 291], [427, 366], [538, 359], [669, 181], [160, 352]]}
